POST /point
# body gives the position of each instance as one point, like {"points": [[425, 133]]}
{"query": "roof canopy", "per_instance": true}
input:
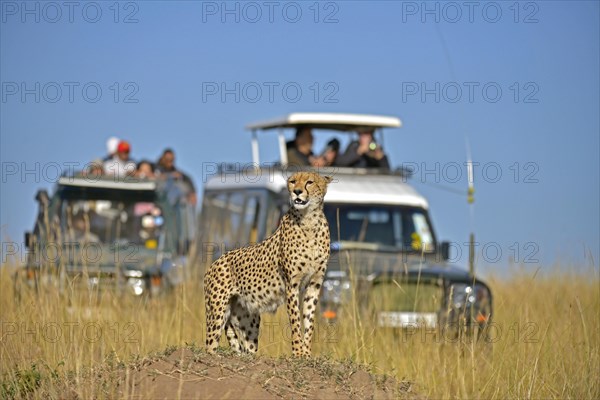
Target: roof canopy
{"points": [[107, 183], [334, 121]]}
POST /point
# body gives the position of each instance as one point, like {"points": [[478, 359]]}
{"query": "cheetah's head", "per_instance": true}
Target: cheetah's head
{"points": [[307, 189]]}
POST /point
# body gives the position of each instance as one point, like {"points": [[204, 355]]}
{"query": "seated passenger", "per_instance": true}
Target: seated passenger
{"points": [[329, 155], [145, 170], [94, 169], [299, 150], [80, 230], [363, 153]]}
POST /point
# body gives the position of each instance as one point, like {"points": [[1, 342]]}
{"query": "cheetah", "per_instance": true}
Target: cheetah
{"points": [[287, 266]]}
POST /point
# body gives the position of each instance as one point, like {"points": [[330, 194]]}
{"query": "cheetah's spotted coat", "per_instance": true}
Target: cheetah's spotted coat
{"points": [[288, 266]]}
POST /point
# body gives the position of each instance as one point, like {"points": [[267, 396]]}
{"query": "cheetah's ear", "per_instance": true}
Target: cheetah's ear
{"points": [[328, 178]]}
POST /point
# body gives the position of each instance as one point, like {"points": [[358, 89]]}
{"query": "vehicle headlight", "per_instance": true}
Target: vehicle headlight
{"points": [[462, 294], [132, 273], [137, 285], [470, 295], [334, 291]]}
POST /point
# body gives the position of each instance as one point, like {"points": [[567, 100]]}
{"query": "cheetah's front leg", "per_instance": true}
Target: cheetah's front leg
{"points": [[215, 320], [311, 299], [216, 301], [293, 310]]}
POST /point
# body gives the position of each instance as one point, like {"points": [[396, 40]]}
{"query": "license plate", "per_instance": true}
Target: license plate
{"points": [[399, 319]]}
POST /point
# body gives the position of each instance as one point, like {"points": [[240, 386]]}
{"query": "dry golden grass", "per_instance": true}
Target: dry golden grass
{"points": [[546, 340]]}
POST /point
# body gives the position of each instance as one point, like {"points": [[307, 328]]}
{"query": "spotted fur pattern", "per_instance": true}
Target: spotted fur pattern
{"points": [[289, 267]]}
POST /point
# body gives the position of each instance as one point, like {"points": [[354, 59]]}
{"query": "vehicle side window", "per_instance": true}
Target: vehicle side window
{"points": [[216, 218], [232, 218], [249, 227], [275, 211]]}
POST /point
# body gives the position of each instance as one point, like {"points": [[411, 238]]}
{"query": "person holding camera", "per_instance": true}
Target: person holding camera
{"points": [[363, 153]]}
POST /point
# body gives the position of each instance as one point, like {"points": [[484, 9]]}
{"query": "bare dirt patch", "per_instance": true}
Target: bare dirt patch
{"points": [[191, 373]]}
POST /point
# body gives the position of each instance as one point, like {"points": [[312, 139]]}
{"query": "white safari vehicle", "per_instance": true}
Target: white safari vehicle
{"points": [[384, 250]]}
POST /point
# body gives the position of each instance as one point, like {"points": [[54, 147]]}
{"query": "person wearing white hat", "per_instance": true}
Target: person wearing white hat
{"points": [[111, 147]]}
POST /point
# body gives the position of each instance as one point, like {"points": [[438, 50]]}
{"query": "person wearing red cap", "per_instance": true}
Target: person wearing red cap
{"points": [[123, 148], [120, 165]]}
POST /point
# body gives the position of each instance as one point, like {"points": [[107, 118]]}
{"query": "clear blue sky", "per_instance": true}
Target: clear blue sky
{"points": [[366, 57]]}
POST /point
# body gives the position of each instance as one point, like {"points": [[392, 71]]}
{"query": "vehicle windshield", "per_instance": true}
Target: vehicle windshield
{"points": [[402, 228], [112, 221]]}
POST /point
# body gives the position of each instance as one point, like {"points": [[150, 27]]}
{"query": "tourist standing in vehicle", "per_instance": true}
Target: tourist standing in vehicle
{"points": [[363, 153], [120, 165], [166, 167]]}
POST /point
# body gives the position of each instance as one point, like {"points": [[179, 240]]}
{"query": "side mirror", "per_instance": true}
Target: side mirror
{"points": [[445, 250], [27, 239]]}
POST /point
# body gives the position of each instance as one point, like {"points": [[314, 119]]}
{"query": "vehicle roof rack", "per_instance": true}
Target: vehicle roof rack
{"points": [[228, 168]]}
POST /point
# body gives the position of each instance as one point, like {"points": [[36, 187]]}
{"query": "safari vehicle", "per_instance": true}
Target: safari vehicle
{"points": [[384, 251], [125, 234]]}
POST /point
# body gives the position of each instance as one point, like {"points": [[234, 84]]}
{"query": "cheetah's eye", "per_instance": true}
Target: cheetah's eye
{"points": [[309, 182], [293, 182]]}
